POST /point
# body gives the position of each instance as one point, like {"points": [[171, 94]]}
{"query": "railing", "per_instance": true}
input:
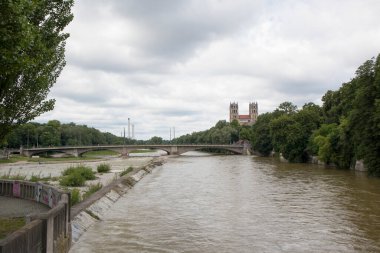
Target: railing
{"points": [[45, 232]]}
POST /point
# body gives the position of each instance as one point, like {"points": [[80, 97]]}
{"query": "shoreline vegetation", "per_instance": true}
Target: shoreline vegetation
{"points": [[343, 131], [87, 191], [96, 155], [10, 225], [82, 177]]}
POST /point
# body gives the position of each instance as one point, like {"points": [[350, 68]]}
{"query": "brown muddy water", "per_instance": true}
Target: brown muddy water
{"points": [[241, 204]]}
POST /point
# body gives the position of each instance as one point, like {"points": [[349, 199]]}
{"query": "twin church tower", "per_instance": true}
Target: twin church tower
{"points": [[246, 120]]}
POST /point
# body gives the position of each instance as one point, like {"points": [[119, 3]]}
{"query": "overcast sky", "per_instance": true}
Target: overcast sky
{"points": [[179, 63]]}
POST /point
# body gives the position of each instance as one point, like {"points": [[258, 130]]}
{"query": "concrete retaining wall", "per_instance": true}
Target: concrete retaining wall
{"points": [[102, 200]]}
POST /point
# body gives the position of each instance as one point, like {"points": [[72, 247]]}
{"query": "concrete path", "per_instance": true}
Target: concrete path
{"points": [[14, 207]]}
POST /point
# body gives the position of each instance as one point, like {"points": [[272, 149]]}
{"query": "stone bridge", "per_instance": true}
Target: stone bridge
{"points": [[242, 149]]}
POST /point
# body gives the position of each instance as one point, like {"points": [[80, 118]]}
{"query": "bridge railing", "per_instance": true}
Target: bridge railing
{"points": [[44, 232]]}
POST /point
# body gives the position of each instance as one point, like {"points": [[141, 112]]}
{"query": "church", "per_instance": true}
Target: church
{"points": [[245, 120]]}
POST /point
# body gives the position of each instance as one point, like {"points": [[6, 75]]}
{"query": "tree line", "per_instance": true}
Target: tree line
{"points": [[54, 133], [346, 128]]}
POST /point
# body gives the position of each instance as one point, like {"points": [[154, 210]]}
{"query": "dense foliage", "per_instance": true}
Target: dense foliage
{"points": [[31, 57], [76, 176], [103, 168], [53, 133], [222, 133], [345, 129]]}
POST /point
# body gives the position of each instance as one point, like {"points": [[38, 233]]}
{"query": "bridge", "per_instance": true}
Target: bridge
{"points": [[124, 150]]}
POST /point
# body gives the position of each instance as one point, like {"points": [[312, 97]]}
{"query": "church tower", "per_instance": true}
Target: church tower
{"points": [[253, 112], [234, 111]]}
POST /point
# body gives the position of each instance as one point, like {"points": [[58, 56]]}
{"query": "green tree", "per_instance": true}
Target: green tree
{"points": [[246, 133], [291, 131], [155, 140], [287, 108], [31, 57], [364, 118], [51, 135], [261, 138]]}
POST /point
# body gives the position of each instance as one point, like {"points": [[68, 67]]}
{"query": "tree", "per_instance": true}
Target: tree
{"points": [[291, 131], [246, 133], [51, 135], [287, 107], [31, 57], [261, 138], [364, 118], [155, 140]]}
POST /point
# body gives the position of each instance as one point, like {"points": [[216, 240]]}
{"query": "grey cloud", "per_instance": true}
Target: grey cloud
{"points": [[174, 28], [180, 62]]}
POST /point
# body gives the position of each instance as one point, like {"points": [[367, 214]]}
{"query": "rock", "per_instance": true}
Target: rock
{"points": [[359, 166]]}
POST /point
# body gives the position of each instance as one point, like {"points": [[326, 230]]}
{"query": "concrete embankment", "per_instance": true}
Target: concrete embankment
{"points": [[86, 213]]}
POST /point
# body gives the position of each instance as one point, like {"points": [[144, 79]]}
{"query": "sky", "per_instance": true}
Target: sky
{"points": [[179, 63]]}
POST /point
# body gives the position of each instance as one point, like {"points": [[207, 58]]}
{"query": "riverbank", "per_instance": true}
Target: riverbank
{"points": [[91, 210], [55, 169]]}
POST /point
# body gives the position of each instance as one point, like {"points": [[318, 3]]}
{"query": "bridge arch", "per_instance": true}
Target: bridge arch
{"points": [[125, 149], [183, 150]]}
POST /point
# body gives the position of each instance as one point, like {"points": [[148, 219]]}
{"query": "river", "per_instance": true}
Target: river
{"points": [[241, 204]]}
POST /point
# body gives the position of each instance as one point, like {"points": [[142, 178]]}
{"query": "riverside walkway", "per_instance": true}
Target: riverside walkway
{"points": [[16, 207]]}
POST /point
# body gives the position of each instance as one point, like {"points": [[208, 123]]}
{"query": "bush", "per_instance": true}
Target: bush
{"points": [[84, 171], [74, 179], [103, 168], [68, 171], [126, 171], [92, 189], [75, 197]]}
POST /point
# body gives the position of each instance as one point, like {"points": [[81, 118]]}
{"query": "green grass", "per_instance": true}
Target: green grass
{"points": [[18, 158], [141, 151], [75, 196], [39, 178], [76, 176], [83, 170], [103, 168], [9, 225], [14, 158], [126, 171], [33, 178], [60, 159], [8, 176], [92, 189], [100, 153], [72, 180]]}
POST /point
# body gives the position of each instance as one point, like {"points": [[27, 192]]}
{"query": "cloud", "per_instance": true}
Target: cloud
{"points": [[179, 63]]}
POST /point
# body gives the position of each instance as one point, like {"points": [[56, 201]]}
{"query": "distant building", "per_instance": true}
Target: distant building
{"points": [[246, 120]]}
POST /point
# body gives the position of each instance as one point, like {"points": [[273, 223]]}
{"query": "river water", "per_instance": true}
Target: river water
{"points": [[241, 204]]}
